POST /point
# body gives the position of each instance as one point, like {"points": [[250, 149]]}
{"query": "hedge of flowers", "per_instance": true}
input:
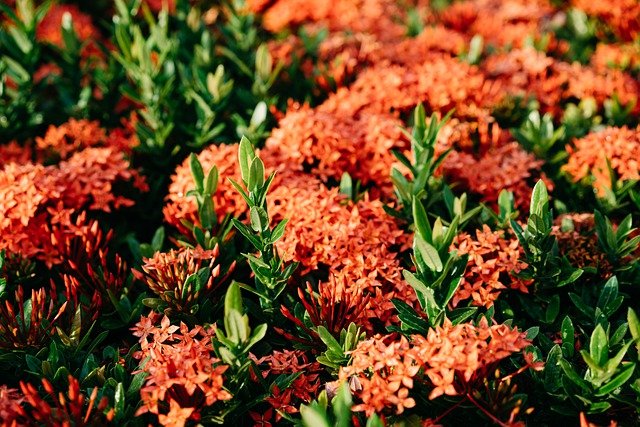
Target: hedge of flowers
{"points": [[319, 213]]}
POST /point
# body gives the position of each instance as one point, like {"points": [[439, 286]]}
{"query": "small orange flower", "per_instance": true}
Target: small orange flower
{"points": [[494, 262], [588, 157], [183, 375]]}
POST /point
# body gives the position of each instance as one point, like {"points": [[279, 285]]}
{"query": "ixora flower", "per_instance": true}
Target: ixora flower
{"points": [[505, 167], [327, 145], [56, 408], [22, 328], [591, 156], [358, 243], [50, 28], [177, 276], [494, 262], [226, 199], [36, 199], [452, 359], [183, 375]]}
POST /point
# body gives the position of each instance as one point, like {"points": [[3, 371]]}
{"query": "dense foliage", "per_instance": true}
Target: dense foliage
{"points": [[346, 212]]}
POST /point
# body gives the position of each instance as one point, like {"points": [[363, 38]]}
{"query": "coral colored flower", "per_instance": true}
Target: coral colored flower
{"points": [[552, 82], [620, 15], [588, 157], [183, 375], [493, 264], [518, 20], [226, 200], [454, 357], [611, 56], [35, 199], [70, 137], [327, 145], [506, 167], [385, 372], [56, 408], [50, 28], [167, 274], [358, 243], [379, 17]]}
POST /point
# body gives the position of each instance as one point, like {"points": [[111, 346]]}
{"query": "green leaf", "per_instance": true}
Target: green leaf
{"points": [[342, 403], [427, 253], [599, 346], [568, 337], [572, 375], [409, 318], [233, 299], [259, 219], [634, 327], [246, 155], [539, 200], [119, 399], [211, 184], [420, 219], [314, 416], [197, 172], [258, 334], [256, 175], [617, 381], [332, 344], [278, 230]]}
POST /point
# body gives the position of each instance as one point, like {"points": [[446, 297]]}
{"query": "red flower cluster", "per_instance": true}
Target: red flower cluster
{"points": [[28, 407], [590, 157], [182, 372], [505, 167], [167, 275], [36, 198], [451, 358], [226, 200], [492, 267], [620, 15], [357, 243], [327, 145]]}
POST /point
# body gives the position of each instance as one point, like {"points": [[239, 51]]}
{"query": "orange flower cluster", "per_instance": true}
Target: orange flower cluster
{"points": [[588, 157], [492, 266], [358, 243], [28, 407], [326, 145], [379, 17], [452, 358], [35, 198], [302, 390], [623, 16], [50, 28], [60, 142], [183, 376], [517, 20], [441, 83], [15, 153], [529, 72], [381, 374], [167, 274], [20, 328], [10, 406], [226, 200], [505, 167], [622, 56], [455, 357]]}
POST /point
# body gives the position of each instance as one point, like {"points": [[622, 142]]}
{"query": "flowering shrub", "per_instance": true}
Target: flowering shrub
{"points": [[316, 213]]}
